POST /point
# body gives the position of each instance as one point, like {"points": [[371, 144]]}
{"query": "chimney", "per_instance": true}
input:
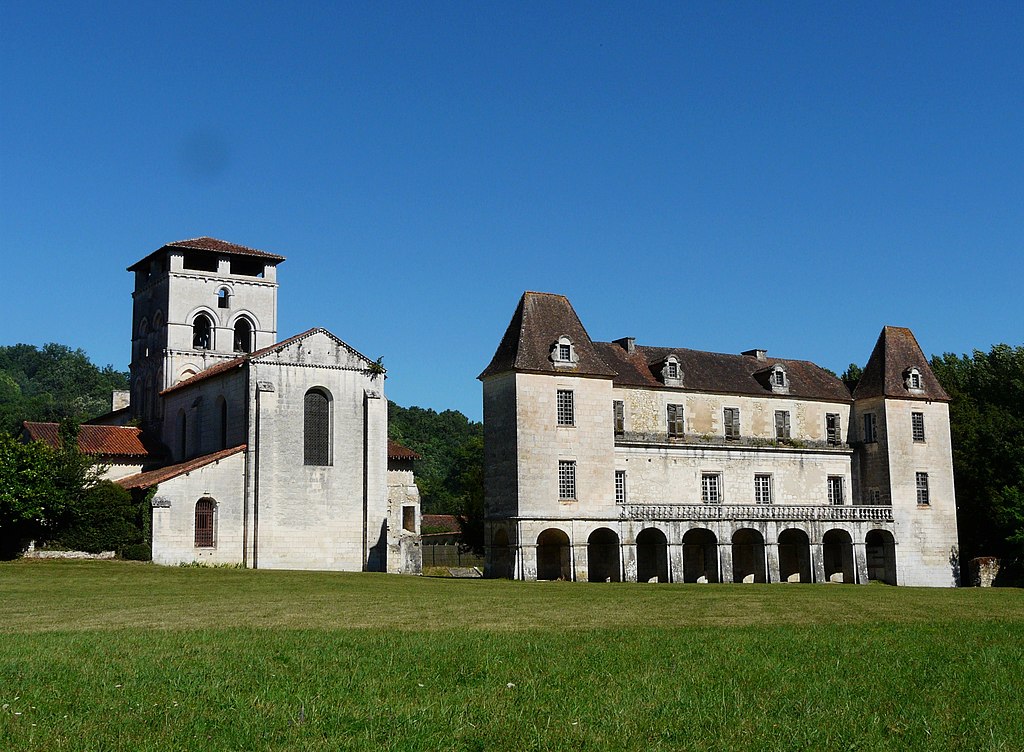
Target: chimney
{"points": [[759, 354], [626, 343]]}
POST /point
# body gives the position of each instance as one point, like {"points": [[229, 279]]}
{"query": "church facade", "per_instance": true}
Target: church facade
{"points": [[613, 461], [275, 452]]}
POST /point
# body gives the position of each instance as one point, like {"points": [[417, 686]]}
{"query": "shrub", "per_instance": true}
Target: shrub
{"points": [[104, 519], [137, 552]]}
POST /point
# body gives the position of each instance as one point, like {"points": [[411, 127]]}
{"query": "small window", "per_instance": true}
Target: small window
{"points": [[912, 379], [711, 488], [202, 333], [732, 423], [835, 489], [922, 490], [874, 497], [782, 424], [673, 369], [762, 488], [317, 428], [243, 336], [780, 377], [620, 486], [671, 373], [833, 434], [223, 298], [564, 352], [566, 480], [566, 414], [870, 435], [409, 519], [917, 421], [676, 425], [619, 417], [204, 523]]}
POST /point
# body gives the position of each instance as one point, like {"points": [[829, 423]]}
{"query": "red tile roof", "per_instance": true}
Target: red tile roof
{"points": [[107, 441], [446, 522], [398, 452], [151, 478], [210, 244]]}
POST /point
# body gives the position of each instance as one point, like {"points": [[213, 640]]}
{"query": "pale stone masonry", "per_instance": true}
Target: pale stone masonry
{"points": [[681, 465], [276, 452]]}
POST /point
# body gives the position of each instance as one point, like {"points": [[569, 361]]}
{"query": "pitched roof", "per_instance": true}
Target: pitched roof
{"points": [[107, 441], [895, 352], [398, 452], [720, 372], [151, 478], [540, 319], [210, 244], [446, 522]]}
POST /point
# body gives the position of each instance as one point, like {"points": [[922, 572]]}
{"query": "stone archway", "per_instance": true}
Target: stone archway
{"points": [[651, 556], [700, 556], [880, 548], [794, 556], [603, 556], [553, 557], [748, 563], [837, 557]]}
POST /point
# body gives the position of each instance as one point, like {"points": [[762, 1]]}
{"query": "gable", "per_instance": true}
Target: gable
{"points": [[316, 347]]}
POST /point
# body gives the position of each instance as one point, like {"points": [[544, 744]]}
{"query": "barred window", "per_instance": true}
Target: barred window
{"points": [[833, 434], [869, 428], [204, 523], [317, 428], [762, 489], [782, 424], [620, 486], [732, 422], [835, 489], [917, 421], [711, 488], [566, 416], [676, 425], [922, 489], [619, 417], [566, 479]]}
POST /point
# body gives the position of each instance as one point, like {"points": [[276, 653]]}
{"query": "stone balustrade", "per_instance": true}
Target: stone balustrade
{"points": [[710, 441], [790, 512]]}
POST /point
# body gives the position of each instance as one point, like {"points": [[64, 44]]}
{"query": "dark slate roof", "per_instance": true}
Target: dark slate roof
{"points": [[540, 319], [398, 452], [210, 244], [720, 372], [121, 442], [151, 478], [895, 352]]}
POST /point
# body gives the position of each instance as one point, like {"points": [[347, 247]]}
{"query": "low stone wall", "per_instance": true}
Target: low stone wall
{"points": [[33, 554]]}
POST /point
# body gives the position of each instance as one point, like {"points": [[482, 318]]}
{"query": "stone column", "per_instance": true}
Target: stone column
{"points": [[818, 562], [774, 569], [580, 563], [725, 562], [860, 563], [675, 562], [526, 562], [629, 562]]}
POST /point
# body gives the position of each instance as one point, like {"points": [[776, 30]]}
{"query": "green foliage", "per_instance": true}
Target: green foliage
{"points": [[30, 500], [439, 438], [851, 376], [51, 384], [468, 485], [137, 552], [987, 424], [106, 518]]}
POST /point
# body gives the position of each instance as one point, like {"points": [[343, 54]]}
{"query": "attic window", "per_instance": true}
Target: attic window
{"points": [[671, 373], [563, 353], [779, 379], [912, 379]]}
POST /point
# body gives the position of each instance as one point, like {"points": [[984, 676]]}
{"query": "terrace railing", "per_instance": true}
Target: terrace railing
{"points": [[789, 512]]}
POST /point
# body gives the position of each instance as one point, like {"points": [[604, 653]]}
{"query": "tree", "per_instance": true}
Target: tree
{"points": [[851, 376], [469, 487]]}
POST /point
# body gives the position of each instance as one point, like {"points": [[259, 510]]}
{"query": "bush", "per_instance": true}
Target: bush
{"points": [[104, 519], [137, 552]]}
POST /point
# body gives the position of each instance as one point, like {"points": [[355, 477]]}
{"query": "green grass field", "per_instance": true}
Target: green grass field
{"points": [[122, 656]]}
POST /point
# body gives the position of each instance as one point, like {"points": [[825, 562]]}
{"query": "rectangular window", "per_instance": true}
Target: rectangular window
{"points": [[762, 489], [874, 496], [711, 488], [673, 370], [619, 417], [922, 490], [676, 428], [782, 424], [566, 479], [832, 432], [732, 422], [564, 353], [835, 489], [917, 421], [409, 519], [869, 428], [566, 415], [620, 486]]}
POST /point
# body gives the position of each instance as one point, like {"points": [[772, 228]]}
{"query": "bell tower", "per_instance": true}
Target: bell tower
{"points": [[197, 303]]}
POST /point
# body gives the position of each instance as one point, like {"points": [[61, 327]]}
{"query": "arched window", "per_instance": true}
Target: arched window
{"points": [[205, 509], [243, 336], [317, 428], [222, 412], [223, 298], [202, 333]]}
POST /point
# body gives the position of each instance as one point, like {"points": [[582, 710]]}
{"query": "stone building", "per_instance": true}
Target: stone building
{"points": [[617, 461], [275, 452]]}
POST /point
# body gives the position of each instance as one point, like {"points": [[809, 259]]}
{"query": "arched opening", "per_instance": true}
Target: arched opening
{"points": [[316, 437], [553, 560], [794, 556], [700, 556], [748, 564], [651, 556], [182, 434], [501, 556], [837, 557], [243, 336], [202, 332], [603, 556], [880, 548], [223, 298], [205, 514], [222, 415]]}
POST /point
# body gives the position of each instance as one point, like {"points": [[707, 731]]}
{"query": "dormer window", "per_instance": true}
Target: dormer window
{"points": [[563, 353], [912, 379], [779, 379], [671, 373]]}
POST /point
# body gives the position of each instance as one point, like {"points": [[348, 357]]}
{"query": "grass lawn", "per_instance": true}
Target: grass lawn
{"points": [[124, 656]]}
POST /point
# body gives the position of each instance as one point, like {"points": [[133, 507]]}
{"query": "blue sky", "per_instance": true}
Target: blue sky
{"points": [[719, 176]]}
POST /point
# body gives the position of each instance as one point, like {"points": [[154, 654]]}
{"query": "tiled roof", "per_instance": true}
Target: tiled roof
{"points": [[152, 478], [398, 452], [884, 376], [108, 441], [540, 319], [210, 244], [445, 522]]}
